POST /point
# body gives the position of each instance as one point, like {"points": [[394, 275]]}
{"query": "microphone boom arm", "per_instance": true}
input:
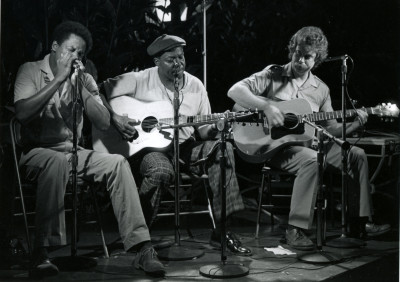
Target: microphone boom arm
{"points": [[345, 145]]}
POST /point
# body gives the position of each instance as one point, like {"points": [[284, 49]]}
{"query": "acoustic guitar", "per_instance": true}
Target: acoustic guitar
{"points": [[154, 131], [257, 141]]}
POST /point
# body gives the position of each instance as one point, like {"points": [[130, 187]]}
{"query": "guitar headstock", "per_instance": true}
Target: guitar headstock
{"points": [[387, 110]]}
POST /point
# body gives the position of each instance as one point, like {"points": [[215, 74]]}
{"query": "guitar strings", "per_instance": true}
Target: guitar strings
{"points": [[153, 122]]}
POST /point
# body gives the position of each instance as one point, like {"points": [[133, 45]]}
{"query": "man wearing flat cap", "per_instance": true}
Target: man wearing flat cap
{"points": [[160, 83]]}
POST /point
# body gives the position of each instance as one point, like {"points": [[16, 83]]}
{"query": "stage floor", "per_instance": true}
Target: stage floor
{"points": [[377, 261]]}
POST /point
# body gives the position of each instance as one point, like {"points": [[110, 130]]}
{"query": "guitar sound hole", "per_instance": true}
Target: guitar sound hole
{"points": [[149, 123], [291, 121]]}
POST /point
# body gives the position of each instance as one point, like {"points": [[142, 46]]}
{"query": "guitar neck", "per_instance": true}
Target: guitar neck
{"points": [[199, 118], [334, 115]]}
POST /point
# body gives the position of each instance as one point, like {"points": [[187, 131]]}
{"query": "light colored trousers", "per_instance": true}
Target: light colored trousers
{"points": [[302, 162], [51, 169]]}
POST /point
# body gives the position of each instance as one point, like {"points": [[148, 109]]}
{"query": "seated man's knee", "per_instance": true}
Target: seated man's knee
{"points": [[310, 159], [56, 164], [52, 166], [57, 159], [116, 160], [157, 169], [357, 153], [161, 175]]}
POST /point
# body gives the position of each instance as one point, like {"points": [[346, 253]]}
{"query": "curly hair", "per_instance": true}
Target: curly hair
{"points": [[314, 38], [65, 29]]}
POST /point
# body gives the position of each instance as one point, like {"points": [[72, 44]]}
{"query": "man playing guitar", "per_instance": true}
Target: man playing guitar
{"points": [[158, 84], [308, 48]]}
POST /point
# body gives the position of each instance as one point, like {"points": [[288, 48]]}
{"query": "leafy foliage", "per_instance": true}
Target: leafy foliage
{"points": [[243, 36]]}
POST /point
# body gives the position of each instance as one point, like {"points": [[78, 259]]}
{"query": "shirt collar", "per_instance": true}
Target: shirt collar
{"points": [[287, 71], [45, 67]]}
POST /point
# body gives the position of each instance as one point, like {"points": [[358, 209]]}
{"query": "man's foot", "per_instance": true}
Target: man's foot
{"points": [[232, 243], [42, 266], [296, 239], [374, 230], [147, 260]]}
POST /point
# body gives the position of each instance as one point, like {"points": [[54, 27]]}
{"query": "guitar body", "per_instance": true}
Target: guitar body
{"points": [[257, 142], [149, 136]]}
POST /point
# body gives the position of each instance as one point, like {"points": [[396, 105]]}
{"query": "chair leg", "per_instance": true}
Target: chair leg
{"points": [[210, 212], [21, 194], [269, 193], [324, 211], [260, 196], [28, 239], [105, 250]]}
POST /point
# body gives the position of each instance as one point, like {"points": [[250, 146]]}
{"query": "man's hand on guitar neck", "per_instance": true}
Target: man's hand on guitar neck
{"points": [[362, 117], [274, 115], [125, 126]]}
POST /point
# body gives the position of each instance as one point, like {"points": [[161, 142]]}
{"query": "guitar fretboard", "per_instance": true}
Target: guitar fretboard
{"points": [[333, 115], [201, 118]]}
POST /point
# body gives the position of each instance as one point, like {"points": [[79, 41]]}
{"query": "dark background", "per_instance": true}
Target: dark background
{"points": [[243, 36]]}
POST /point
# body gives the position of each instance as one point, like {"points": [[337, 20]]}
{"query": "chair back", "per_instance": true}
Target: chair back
{"points": [[15, 131], [15, 128]]}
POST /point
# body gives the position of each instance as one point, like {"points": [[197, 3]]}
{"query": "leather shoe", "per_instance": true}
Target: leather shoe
{"points": [[42, 266], [296, 239], [374, 230], [147, 261], [232, 243]]}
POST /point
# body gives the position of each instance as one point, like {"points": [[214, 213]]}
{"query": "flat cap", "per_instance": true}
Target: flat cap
{"points": [[164, 43]]}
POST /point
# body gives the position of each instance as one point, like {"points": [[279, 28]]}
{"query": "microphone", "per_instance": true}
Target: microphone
{"points": [[77, 66], [175, 69], [337, 58]]}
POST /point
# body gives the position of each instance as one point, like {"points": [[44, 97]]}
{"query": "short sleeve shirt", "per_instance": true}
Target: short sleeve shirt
{"points": [[146, 86], [53, 126], [277, 83]]}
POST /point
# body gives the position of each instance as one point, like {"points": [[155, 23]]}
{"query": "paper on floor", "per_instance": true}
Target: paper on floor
{"points": [[279, 251]]}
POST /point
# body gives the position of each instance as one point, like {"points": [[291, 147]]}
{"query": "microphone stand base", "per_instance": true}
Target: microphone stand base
{"points": [[223, 270], [345, 242], [320, 257], [158, 245], [74, 263], [178, 253]]}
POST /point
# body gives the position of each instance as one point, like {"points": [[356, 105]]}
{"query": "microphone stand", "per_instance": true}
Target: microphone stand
{"points": [[74, 262], [176, 252], [343, 241], [203, 6], [223, 270], [321, 256]]}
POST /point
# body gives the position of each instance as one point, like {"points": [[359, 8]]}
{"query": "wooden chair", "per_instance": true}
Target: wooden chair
{"points": [[27, 190], [267, 175], [189, 185]]}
